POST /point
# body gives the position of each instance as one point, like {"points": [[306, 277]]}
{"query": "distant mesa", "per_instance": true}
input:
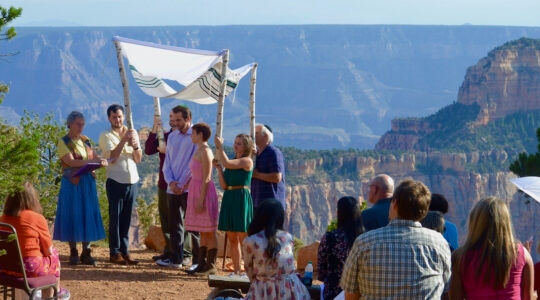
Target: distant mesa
{"points": [[504, 82]]}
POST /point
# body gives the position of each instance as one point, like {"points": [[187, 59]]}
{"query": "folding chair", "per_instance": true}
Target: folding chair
{"points": [[11, 262]]}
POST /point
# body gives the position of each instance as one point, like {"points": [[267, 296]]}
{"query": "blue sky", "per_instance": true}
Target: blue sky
{"points": [[233, 12]]}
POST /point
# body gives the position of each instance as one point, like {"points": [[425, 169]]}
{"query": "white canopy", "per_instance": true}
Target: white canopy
{"points": [[529, 185], [199, 71]]}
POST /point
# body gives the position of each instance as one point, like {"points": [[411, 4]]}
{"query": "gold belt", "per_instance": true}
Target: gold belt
{"points": [[237, 187]]}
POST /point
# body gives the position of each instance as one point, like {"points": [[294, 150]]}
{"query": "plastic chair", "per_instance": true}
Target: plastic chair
{"points": [[11, 262]]}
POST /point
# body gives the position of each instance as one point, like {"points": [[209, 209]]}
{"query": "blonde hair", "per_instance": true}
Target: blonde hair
{"points": [[247, 141], [491, 241]]}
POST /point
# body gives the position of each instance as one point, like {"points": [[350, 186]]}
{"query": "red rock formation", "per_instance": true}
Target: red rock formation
{"points": [[506, 81]]}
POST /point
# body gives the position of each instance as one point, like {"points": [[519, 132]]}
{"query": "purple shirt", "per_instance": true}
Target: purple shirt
{"points": [[178, 154], [151, 147], [270, 160]]}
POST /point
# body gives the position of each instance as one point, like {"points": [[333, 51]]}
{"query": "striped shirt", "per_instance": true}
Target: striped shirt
{"points": [[399, 261]]}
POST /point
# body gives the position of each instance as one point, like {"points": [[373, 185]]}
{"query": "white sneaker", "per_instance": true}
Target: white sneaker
{"points": [[193, 267], [168, 263], [64, 294]]}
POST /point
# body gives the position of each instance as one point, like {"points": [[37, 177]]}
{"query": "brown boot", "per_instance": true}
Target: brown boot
{"points": [[117, 259], [202, 260], [210, 266], [129, 261]]}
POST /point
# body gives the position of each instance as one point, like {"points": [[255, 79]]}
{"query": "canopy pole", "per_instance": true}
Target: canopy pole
{"points": [[253, 85], [122, 70], [221, 99], [160, 134]]}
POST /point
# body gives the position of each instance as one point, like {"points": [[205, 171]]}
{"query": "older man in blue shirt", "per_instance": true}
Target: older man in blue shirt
{"points": [[268, 179]]}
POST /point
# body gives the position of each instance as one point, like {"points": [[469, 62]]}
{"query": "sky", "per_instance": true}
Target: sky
{"points": [[275, 12]]}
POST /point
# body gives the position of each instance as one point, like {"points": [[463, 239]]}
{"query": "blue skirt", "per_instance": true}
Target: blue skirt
{"points": [[78, 218]]}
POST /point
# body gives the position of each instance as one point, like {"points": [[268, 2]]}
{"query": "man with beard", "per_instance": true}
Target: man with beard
{"points": [[176, 172], [121, 146]]}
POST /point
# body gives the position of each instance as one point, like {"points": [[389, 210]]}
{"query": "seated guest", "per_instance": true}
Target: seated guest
{"points": [[491, 264], [269, 256], [537, 271], [537, 277], [335, 245], [23, 211], [440, 203], [434, 220], [402, 260], [380, 191]]}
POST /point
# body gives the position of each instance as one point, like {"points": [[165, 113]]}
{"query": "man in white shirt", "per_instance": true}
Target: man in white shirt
{"points": [[121, 146]]}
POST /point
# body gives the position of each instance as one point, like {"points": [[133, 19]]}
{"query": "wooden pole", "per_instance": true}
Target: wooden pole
{"points": [[121, 69], [221, 99], [252, 100], [157, 113]]}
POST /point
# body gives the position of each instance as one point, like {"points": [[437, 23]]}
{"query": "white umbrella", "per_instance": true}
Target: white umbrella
{"points": [[529, 185]]}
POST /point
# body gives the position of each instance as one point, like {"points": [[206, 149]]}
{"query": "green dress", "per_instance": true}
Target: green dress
{"points": [[236, 206]]}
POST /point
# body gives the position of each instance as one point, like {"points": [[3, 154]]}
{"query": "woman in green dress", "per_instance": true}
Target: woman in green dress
{"points": [[236, 206]]}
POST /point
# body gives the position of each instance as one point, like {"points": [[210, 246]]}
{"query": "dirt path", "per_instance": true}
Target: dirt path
{"points": [[144, 281]]}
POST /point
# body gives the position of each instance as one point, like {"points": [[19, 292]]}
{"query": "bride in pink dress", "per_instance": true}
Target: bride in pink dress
{"points": [[202, 203]]}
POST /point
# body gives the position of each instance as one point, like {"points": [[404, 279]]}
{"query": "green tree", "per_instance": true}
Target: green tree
{"points": [[29, 153], [527, 164], [19, 156], [45, 132], [7, 15]]}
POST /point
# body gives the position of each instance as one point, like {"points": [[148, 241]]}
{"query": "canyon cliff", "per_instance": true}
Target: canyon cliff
{"points": [[504, 83]]}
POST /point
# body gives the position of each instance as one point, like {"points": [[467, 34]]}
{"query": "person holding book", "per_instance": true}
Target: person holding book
{"points": [[78, 218]]}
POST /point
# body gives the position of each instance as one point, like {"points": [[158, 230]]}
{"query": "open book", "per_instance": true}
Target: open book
{"points": [[89, 167]]}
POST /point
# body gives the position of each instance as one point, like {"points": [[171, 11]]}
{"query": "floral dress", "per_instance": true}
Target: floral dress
{"points": [[272, 279], [333, 251]]}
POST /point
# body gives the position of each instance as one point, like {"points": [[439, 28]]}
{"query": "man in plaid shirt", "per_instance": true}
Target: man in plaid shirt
{"points": [[401, 260]]}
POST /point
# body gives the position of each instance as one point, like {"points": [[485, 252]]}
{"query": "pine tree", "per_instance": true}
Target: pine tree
{"points": [[7, 15], [528, 164]]}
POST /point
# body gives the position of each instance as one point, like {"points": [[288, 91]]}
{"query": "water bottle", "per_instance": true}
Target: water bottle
{"points": [[308, 274]]}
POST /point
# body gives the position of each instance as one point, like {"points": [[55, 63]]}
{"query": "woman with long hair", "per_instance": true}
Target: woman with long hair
{"points": [[491, 264], [23, 210], [236, 205], [335, 245], [269, 256]]}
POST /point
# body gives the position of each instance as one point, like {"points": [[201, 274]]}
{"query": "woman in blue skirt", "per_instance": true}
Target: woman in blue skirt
{"points": [[78, 218]]}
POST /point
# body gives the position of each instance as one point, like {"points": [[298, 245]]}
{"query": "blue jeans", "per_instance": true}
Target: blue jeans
{"points": [[121, 200]]}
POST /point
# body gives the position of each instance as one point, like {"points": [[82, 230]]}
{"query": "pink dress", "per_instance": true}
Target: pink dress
{"points": [[475, 289], [206, 221]]}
